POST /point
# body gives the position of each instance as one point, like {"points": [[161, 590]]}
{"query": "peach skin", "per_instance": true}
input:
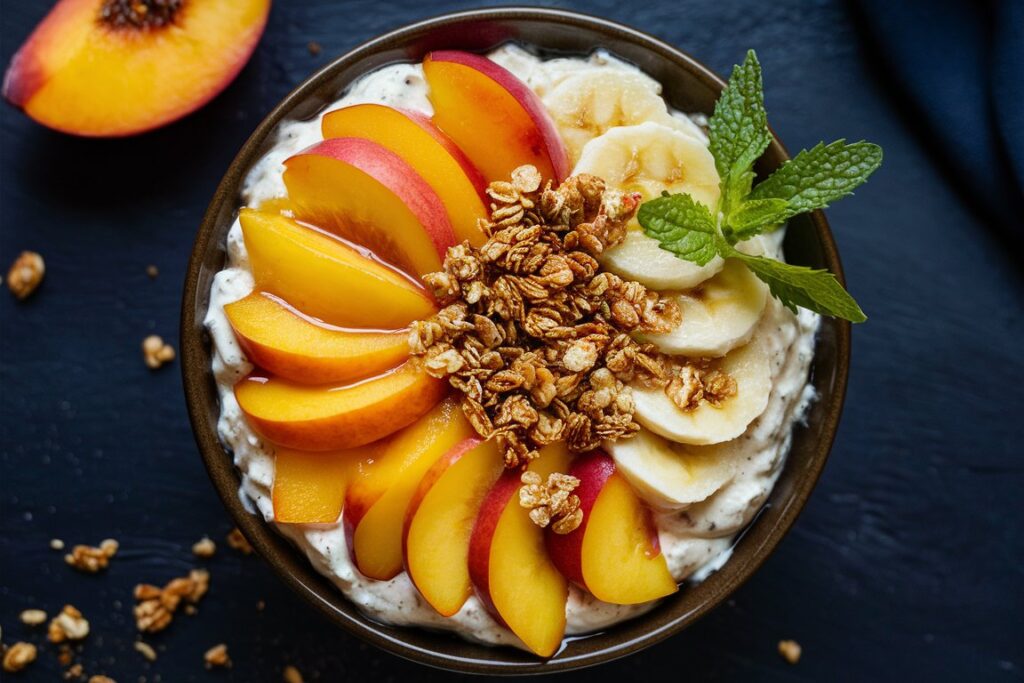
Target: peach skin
{"points": [[614, 553], [286, 343], [327, 417], [326, 278], [107, 68], [493, 116], [437, 159], [367, 194]]}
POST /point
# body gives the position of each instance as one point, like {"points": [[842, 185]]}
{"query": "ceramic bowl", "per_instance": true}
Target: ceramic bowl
{"points": [[688, 86]]}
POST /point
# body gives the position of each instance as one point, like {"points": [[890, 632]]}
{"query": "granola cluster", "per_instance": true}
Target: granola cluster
{"points": [[155, 606], [551, 502], [533, 333]]}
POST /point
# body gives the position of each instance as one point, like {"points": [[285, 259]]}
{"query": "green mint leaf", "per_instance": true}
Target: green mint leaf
{"points": [[681, 225], [755, 216], [820, 175], [817, 290], [739, 131]]}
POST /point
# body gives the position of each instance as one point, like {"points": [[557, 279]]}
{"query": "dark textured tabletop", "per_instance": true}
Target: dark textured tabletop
{"points": [[906, 564]]}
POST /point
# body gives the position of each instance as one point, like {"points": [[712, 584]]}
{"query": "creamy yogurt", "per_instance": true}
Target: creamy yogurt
{"points": [[695, 541]]}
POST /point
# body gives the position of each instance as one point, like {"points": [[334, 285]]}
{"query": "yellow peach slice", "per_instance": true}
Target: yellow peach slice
{"points": [[309, 488]]}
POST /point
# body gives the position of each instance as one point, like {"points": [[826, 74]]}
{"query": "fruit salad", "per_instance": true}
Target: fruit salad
{"points": [[456, 372]]}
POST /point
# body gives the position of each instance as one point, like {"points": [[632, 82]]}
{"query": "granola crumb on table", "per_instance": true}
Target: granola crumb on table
{"points": [[204, 547], [790, 650], [291, 675], [18, 656], [33, 617], [68, 625], [91, 559], [155, 606], [146, 650], [237, 541], [217, 656], [26, 274]]}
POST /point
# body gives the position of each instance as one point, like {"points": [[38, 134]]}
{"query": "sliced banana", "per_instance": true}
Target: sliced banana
{"points": [[668, 475], [707, 424], [650, 158], [588, 103], [717, 316]]}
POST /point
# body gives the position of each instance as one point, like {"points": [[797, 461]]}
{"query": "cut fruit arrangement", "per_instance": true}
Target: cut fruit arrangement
{"points": [[351, 358]]}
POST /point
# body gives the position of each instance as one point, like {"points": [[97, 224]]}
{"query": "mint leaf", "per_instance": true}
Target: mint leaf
{"points": [[755, 216], [820, 175], [816, 290], [739, 131], [681, 225]]}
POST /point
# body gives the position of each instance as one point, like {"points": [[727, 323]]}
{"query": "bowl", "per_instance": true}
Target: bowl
{"points": [[688, 86]]}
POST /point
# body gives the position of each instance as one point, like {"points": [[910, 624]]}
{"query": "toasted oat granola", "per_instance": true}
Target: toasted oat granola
{"points": [[91, 559], [552, 501], [155, 606], [18, 656], [217, 656], [68, 625]]}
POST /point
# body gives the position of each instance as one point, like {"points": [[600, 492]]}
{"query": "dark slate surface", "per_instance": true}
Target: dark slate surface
{"points": [[906, 563]]}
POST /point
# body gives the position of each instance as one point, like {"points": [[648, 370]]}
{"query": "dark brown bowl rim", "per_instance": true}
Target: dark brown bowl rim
{"points": [[201, 396]]}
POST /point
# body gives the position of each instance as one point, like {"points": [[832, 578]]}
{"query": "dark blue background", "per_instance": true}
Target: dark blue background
{"points": [[906, 563]]}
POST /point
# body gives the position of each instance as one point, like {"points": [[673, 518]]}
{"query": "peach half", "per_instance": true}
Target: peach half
{"points": [[309, 488], [377, 501], [288, 344], [369, 195], [493, 116], [509, 567], [327, 278], [107, 68], [437, 159], [614, 554], [328, 417]]}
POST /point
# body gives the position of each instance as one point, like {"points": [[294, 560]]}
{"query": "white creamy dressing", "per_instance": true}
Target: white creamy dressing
{"points": [[695, 541]]}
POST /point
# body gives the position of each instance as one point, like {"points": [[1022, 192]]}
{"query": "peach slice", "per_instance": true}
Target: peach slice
{"points": [[376, 504], [367, 194], [326, 278], [286, 343], [309, 488], [440, 519], [105, 68], [437, 159], [493, 116], [508, 565], [327, 417], [614, 553]]}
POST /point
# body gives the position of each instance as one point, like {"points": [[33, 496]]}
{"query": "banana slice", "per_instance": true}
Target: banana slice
{"points": [[649, 158], [707, 424], [718, 316], [588, 103], [668, 475]]}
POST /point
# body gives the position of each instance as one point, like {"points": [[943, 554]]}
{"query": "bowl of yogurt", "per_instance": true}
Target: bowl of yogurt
{"points": [[622, 106]]}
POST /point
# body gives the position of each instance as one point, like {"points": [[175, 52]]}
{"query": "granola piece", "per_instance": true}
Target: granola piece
{"points": [[552, 501], [91, 559], [155, 606], [19, 656], [146, 650], [291, 675], [790, 650], [156, 352], [217, 656], [101, 679], [237, 541], [74, 672], [32, 617], [314, 48], [26, 274], [204, 547], [56, 544], [152, 271], [68, 625]]}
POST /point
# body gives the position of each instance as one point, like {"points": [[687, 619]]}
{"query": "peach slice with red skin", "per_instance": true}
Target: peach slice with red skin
{"points": [[433, 155], [509, 567], [369, 195], [327, 417], [309, 488], [614, 553], [288, 344], [378, 499], [326, 278], [103, 68], [440, 519], [493, 116]]}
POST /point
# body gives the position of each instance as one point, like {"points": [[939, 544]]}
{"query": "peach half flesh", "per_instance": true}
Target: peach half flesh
{"points": [[493, 116], [106, 68], [369, 195], [437, 159], [614, 554], [286, 343], [327, 417]]}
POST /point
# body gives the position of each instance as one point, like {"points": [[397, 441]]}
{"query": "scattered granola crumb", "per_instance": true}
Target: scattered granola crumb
{"points": [[314, 48], [239, 542], [551, 502], [68, 625], [217, 656], [146, 650], [33, 617], [152, 272], [56, 544], [191, 610], [204, 547], [101, 679], [75, 672], [155, 606], [260, 605], [790, 650], [291, 675], [18, 656], [87, 558], [25, 274], [65, 655], [156, 352]]}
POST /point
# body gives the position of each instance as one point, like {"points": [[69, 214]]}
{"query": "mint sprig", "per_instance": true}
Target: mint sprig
{"points": [[813, 179]]}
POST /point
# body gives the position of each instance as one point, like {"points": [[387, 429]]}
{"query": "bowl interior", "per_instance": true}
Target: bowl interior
{"points": [[688, 87]]}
